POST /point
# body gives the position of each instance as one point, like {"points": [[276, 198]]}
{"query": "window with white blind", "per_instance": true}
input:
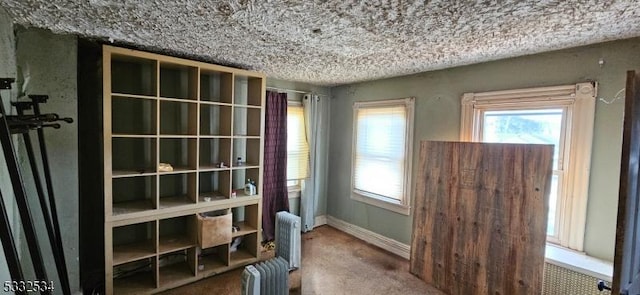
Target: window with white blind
{"points": [[382, 153], [297, 146], [558, 115]]}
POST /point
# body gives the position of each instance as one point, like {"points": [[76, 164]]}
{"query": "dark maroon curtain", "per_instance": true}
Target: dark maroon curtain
{"points": [[274, 188]]}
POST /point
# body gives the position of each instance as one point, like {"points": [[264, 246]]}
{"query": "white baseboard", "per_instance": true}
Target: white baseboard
{"points": [[320, 220], [391, 245]]}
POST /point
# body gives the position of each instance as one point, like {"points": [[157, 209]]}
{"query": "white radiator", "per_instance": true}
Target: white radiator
{"points": [[266, 278], [288, 239]]}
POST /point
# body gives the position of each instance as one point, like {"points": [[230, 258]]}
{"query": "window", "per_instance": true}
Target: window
{"points": [[562, 116], [297, 147], [382, 153]]}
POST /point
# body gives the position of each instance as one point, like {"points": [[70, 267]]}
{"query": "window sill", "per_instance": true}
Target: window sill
{"points": [[579, 262], [395, 207]]}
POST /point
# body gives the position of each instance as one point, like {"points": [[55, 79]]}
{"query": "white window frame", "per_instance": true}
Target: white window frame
{"points": [[402, 206], [578, 100]]}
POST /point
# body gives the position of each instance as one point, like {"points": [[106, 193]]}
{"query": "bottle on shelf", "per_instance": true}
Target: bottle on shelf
{"points": [[239, 161], [250, 188]]}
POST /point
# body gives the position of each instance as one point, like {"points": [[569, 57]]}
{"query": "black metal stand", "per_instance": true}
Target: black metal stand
{"points": [[8, 245], [23, 124], [19, 191], [50, 216]]}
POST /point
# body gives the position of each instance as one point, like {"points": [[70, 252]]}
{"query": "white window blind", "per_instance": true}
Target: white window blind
{"points": [[297, 146], [380, 151]]}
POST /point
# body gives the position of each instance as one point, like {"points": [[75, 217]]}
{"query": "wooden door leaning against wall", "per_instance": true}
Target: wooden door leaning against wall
{"points": [[626, 264], [481, 216]]}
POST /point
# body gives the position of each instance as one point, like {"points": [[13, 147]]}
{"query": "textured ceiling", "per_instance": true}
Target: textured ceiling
{"points": [[336, 42]]}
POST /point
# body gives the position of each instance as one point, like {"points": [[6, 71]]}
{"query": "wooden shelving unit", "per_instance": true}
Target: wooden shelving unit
{"points": [[206, 122]]}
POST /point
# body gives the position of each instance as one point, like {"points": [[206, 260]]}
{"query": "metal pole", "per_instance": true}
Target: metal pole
{"points": [[9, 246], [54, 236], [19, 192]]}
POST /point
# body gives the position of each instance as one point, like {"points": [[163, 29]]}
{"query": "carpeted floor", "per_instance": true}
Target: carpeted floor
{"points": [[332, 263]]}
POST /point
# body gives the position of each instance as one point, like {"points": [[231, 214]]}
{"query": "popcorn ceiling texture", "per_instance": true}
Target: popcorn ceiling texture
{"points": [[338, 41]]}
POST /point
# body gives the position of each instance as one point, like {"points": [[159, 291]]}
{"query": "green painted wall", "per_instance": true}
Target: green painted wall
{"points": [[438, 96], [47, 64], [7, 70]]}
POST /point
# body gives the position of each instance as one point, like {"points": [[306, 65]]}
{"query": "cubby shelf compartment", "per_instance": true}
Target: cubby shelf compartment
{"points": [[178, 81], [213, 152], [177, 267], [245, 217], [180, 153], [248, 91], [133, 116], [177, 233], [137, 277], [214, 185], [246, 121], [178, 118], [134, 242], [215, 120], [216, 86], [133, 75], [133, 156], [246, 152], [246, 252], [245, 229], [240, 176], [177, 190], [133, 194], [213, 260]]}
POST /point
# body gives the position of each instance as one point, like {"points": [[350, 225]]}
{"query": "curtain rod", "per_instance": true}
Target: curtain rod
{"points": [[288, 90], [297, 91]]}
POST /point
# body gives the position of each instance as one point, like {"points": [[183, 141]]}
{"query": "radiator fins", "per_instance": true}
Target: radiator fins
{"points": [[288, 240], [266, 278], [561, 281]]}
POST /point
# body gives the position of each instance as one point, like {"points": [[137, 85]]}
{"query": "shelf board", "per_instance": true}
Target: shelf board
{"points": [[130, 207], [170, 202], [246, 166], [215, 103], [119, 135], [245, 229], [140, 283], [241, 257], [215, 196], [227, 203], [244, 136], [184, 100], [124, 95], [177, 136], [212, 263], [173, 243], [132, 173], [132, 252], [209, 168], [248, 106], [178, 170], [209, 136], [240, 194], [175, 274]]}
